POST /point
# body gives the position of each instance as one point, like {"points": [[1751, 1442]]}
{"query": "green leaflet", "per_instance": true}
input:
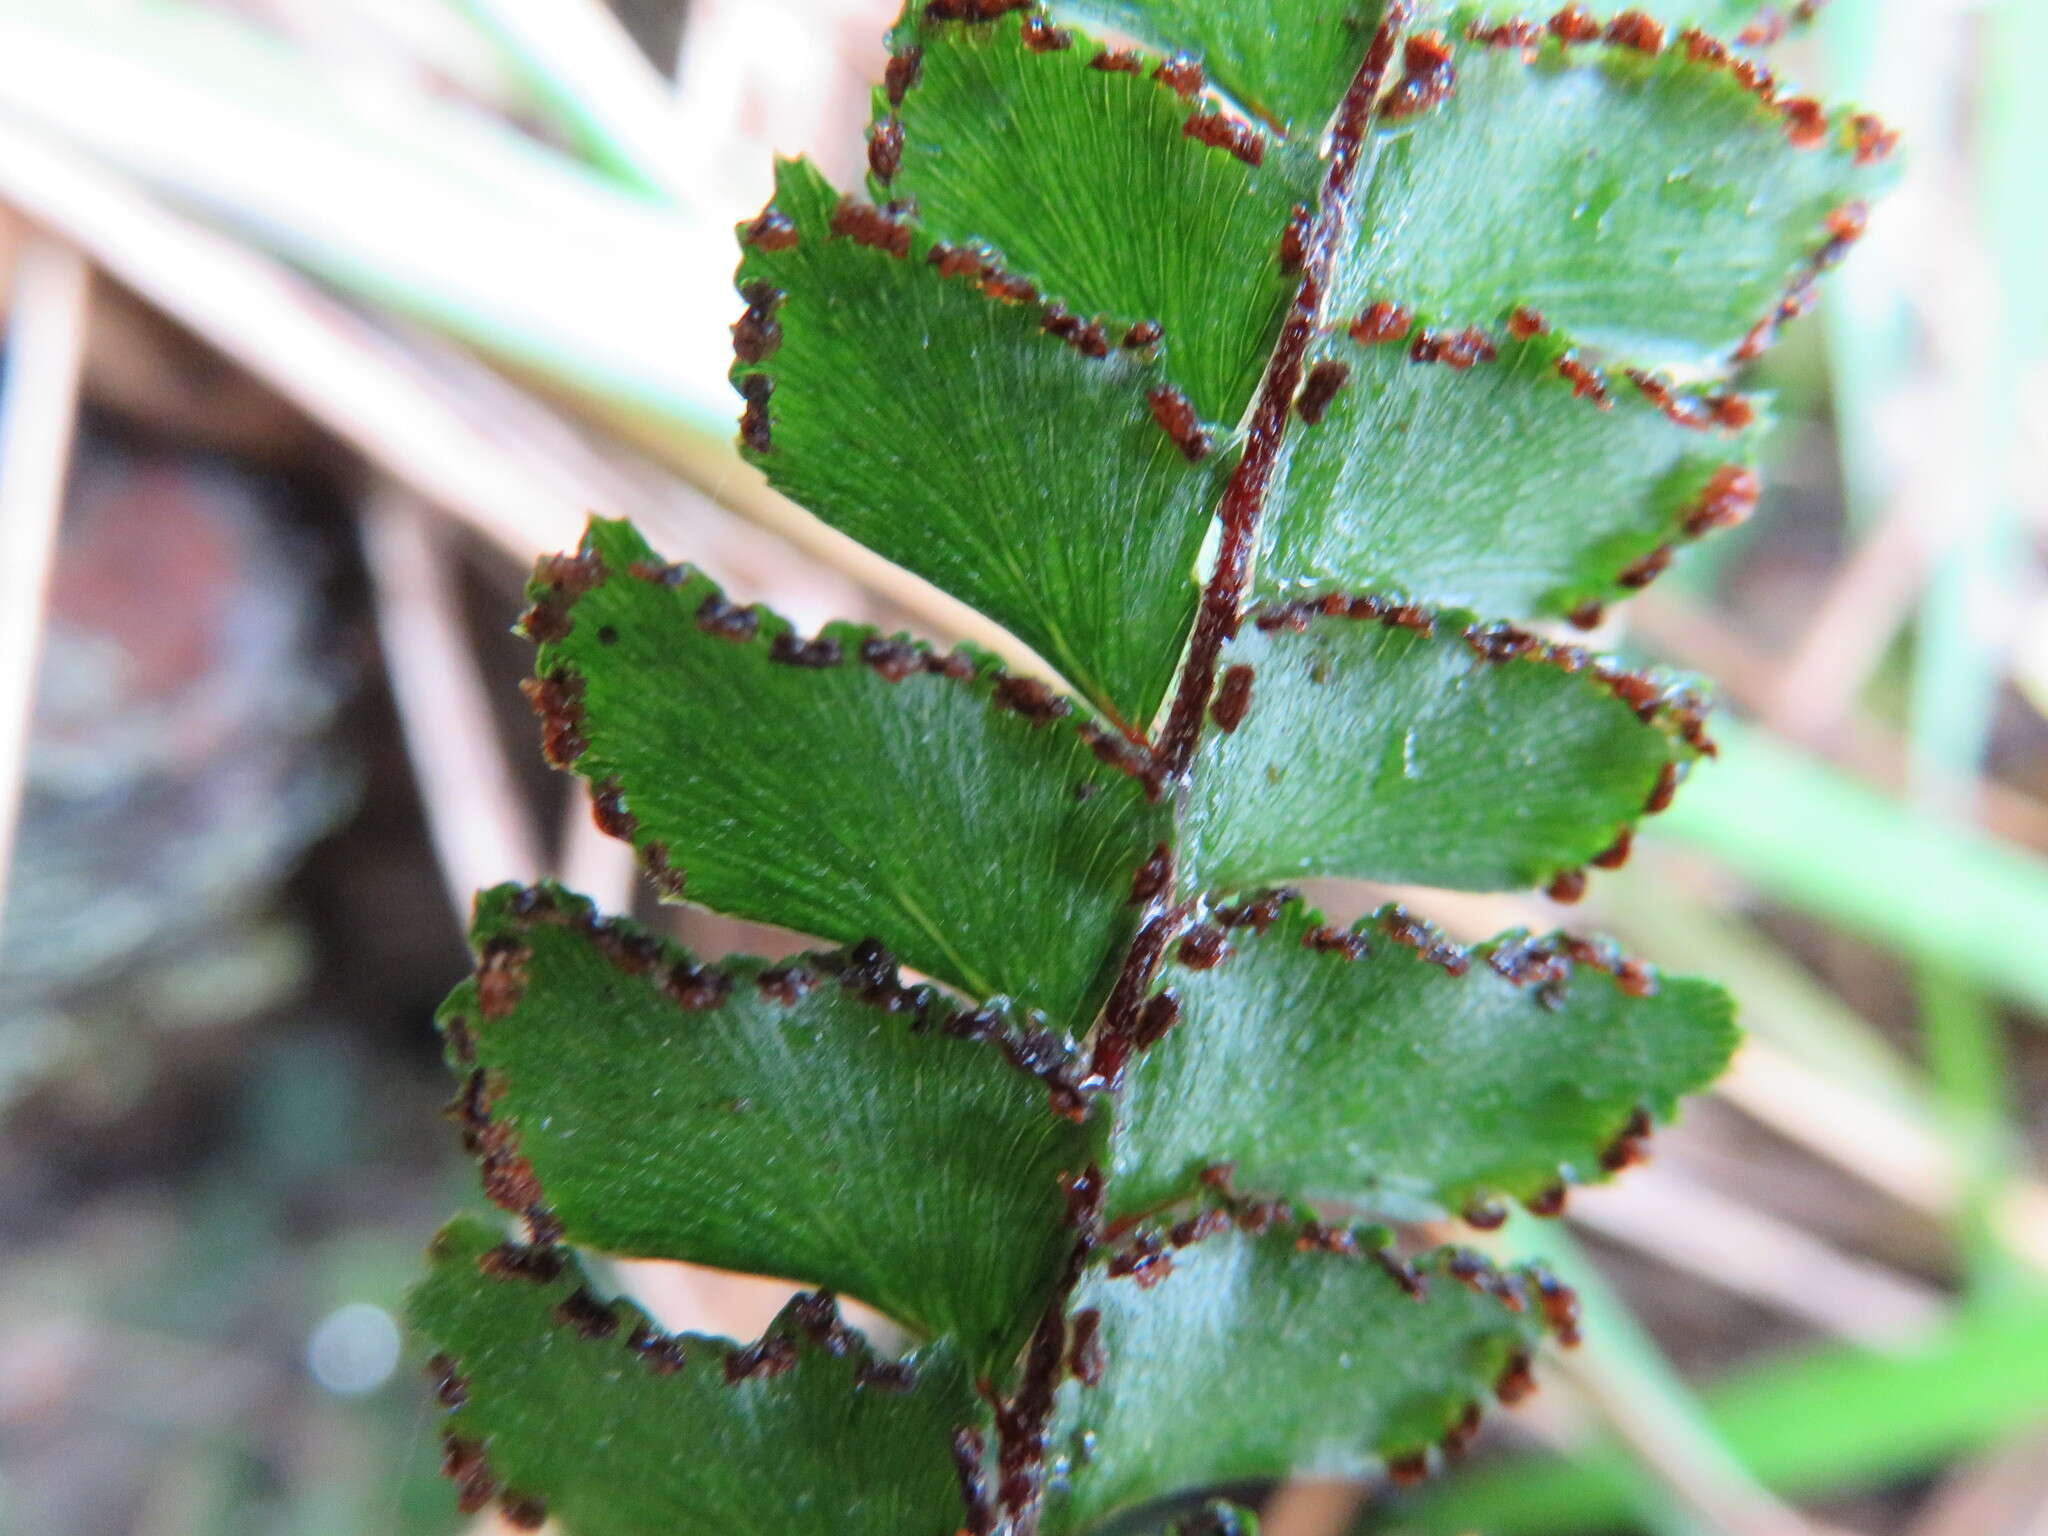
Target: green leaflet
{"points": [[584, 1408], [983, 846], [947, 430], [1083, 181], [1650, 205], [1252, 1359], [1416, 1080], [1288, 61], [812, 1119], [1493, 489], [1382, 752]]}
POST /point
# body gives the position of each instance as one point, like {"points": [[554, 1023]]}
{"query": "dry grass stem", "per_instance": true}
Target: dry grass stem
{"points": [[480, 828], [46, 328], [1693, 1227], [1699, 1473], [1313, 1506]]}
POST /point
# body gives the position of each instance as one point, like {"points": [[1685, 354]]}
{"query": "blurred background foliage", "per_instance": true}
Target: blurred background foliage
{"points": [[325, 316]]}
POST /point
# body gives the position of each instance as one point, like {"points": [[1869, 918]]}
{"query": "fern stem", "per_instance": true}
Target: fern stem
{"points": [[1244, 499]]}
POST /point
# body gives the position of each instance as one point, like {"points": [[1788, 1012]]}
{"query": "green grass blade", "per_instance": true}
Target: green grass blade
{"points": [[1806, 1424], [437, 212]]}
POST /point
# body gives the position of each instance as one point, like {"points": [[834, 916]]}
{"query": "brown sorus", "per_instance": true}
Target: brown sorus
{"points": [[608, 811], [1630, 1146], [772, 230], [1258, 912], [1219, 130], [1486, 1215], [1641, 573], [1147, 1261], [464, 1464], [1728, 498], [1615, 854], [1159, 1015], [957, 665], [1408, 1469], [1153, 878], [814, 655], [885, 148], [1405, 929], [1183, 73], [755, 336], [1524, 35], [1085, 336], [727, 621], [1849, 221], [1874, 141], [696, 988], [774, 1354], [501, 976], [786, 984], [1454, 349], [756, 431], [900, 75], [1233, 698], [1560, 1306], [1320, 388], [1702, 48], [570, 575], [891, 660], [451, 1388], [1636, 978], [1041, 36], [1634, 29], [1587, 382], [1806, 122], [955, 260], [1731, 412], [1382, 322], [524, 1511], [885, 1376], [1427, 77], [869, 226], [1402, 1273], [1294, 240], [1517, 1380], [1029, 697], [1567, 887], [1573, 25], [1335, 941], [547, 621], [1176, 416], [585, 1316], [1203, 947]]}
